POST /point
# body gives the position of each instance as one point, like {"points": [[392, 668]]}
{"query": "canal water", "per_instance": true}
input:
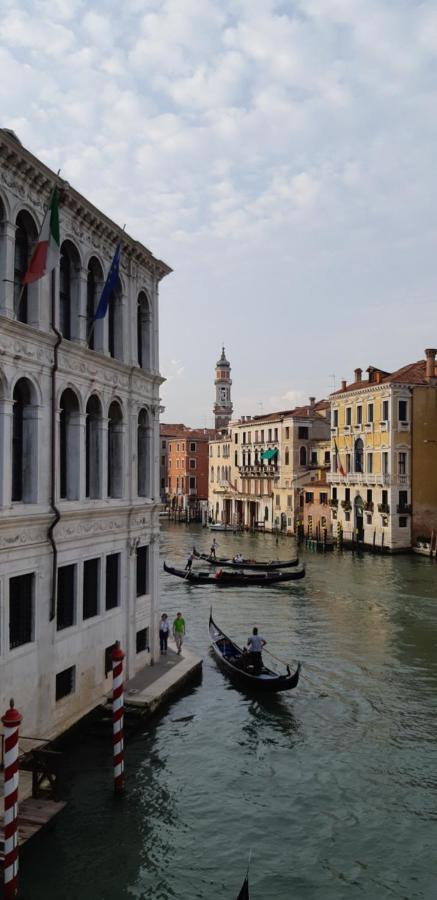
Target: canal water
{"points": [[332, 788]]}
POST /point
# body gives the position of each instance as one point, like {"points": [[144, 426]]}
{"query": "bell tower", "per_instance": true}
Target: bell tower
{"points": [[223, 408]]}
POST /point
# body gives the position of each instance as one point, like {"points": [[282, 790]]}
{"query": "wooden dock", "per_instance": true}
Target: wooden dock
{"points": [[33, 815]]}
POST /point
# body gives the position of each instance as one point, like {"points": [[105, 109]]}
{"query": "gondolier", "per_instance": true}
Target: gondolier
{"points": [[213, 549], [255, 644], [235, 663]]}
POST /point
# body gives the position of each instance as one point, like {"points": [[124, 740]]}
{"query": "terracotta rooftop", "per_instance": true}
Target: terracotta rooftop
{"points": [[413, 373], [297, 412]]}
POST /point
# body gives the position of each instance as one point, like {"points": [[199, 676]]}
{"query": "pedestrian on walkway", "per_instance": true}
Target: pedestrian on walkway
{"points": [[179, 631], [164, 629]]}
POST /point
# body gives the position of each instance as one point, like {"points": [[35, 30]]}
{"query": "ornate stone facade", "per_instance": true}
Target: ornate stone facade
{"points": [[79, 454]]}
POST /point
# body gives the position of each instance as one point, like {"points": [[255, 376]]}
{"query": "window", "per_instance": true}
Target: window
{"points": [[93, 448], [115, 450], [244, 437], [262, 435], [384, 498], [192, 483], [276, 434], [359, 415], [24, 442], [66, 608], [69, 267], [218, 451], [348, 462], [403, 500], [177, 463], [385, 410], [347, 516], [269, 435], [347, 494], [212, 475], [143, 441], [236, 438], [335, 418], [21, 589], [65, 682], [369, 495], [163, 445], [334, 493], [112, 580], [323, 499], [26, 235], [313, 457], [91, 572], [327, 458], [303, 456], [370, 412], [69, 445], [308, 497], [192, 448], [359, 455], [348, 415], [142, 570], [93, 289], [278, 501], [403, 521], [162, 460], [236, 458], [144, 330], [402, 463], [302, 433], [403, 410], [142, 640], [287, 433], [370, 462], [385, 462], [289, 501], [115, 323], [287, 457]]}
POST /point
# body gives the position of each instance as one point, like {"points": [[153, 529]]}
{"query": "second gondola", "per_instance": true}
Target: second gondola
{"points": [[221, 578]]}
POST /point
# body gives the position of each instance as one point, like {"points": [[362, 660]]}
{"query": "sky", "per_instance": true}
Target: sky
{"points": [[279, 156]]}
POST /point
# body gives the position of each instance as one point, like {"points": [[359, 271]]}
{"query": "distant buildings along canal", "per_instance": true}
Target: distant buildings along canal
{"points": [[79, 448]]}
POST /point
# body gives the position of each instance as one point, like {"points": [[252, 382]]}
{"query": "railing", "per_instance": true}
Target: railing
{"points": [[404, 509], [368, 505], [384, 508], [259, 470], [404, 426], [333, 502], [366, 478], [347, 429], [368, 428], [346, 504]]}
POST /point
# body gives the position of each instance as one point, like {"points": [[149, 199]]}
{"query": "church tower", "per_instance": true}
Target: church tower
{"points": [[223, 404]]}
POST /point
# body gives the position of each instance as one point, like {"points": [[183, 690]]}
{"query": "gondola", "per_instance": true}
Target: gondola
{"points": [[236, 664], [247, 563], [231, 579]]}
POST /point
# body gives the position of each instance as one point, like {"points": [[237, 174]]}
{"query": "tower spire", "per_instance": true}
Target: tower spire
{"points": [[223, 408]]}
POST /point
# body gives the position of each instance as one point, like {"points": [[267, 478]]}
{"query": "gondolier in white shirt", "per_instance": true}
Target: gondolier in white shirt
{"points": [[255, 644], [213, 549]]}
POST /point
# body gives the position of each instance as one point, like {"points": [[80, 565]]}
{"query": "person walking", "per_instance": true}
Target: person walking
{"points": [[179, 631], [164, 629], [255, 644]]}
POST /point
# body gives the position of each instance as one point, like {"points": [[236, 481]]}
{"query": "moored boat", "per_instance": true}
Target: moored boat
{"points": [[236, 663], [235, 563], [222, 578]]}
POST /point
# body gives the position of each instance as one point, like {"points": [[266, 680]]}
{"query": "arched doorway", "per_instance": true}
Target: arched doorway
{"points": [[359, 518]]}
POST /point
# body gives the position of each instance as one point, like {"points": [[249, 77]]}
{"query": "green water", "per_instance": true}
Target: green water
{"points": [[332, 787]]}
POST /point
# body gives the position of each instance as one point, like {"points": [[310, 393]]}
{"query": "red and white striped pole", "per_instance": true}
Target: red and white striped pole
{"points": [[11, 722], [118, 715]]}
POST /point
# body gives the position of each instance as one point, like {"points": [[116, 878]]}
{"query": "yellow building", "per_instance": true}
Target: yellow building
{"points": [[373, 427]]}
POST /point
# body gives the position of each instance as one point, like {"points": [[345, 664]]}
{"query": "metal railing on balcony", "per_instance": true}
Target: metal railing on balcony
{"points": [[404, 509], [259, 470], [384, 508]]}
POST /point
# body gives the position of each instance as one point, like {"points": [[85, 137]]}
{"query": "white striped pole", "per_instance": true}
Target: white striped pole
{"points": [[11, 722], [118, 716]]}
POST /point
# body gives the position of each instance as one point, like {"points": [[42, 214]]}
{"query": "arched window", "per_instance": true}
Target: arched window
{"points": [[144, 332], [287, 457], [24, 443], [25, 236], [359, 452], [143, 454], [115, 323], [69, 446], [115, 450], [303, 456], [266, 513], [94, 286], [69, 267], [93, 449], [212, 474]]}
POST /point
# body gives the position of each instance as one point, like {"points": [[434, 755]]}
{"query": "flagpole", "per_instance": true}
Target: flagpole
{"points": [[24, 284]]}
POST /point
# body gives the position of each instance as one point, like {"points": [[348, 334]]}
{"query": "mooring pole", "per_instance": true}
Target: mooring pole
{"points": [[11, 722], [118, 716]]}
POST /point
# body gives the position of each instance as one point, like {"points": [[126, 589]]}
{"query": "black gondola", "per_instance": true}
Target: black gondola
{"points": [[247, 563], [236, 664], [231, 579]]}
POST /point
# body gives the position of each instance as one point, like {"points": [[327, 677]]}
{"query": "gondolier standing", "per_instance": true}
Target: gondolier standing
{"points": [[179, 631], [255, 644], [213, 549]]}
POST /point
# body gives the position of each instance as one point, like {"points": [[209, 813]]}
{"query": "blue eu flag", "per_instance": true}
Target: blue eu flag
{"points": [[110, 285]]}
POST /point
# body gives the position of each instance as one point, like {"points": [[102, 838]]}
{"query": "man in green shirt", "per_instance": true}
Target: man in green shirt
{"points": [[179, 631]]}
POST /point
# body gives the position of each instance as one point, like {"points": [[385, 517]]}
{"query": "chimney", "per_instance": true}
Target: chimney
{"points": [[358, 374], [343, 384], [377, 377], [312, 401], [430, 366]]}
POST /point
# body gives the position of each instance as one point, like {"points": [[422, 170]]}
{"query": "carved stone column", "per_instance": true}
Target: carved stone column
{"points": [[7, 252]]}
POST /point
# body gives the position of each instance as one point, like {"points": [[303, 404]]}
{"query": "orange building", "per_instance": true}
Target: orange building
{"points": [[187, 467]]}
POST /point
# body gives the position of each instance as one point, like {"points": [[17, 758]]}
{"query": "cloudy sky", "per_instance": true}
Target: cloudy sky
{"points": [[280, 156]]}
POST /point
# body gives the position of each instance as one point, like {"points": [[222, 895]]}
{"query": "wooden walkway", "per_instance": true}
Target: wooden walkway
{"points": [[34, 813]]}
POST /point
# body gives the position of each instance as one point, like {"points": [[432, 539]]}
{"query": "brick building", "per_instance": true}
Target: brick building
{"points": [[187, 468]]}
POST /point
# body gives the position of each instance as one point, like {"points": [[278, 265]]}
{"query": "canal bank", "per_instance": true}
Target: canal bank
{"points": [[332, 787]]}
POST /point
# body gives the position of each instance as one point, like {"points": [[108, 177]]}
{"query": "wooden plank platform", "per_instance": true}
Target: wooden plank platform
{"points": [[33, 815]]}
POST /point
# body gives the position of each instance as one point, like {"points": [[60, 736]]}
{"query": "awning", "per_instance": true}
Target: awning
{"points": [[269, 454]]}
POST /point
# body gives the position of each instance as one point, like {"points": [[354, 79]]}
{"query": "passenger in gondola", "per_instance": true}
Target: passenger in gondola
{"points": [[255, 644], [239, 558]]}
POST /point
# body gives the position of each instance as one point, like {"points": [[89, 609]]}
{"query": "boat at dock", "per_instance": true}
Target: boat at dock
{"points": [[269, 566], [236, 663], [230, 579]]}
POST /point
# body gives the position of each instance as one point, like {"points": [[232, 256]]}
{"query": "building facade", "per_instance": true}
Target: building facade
{"points": [[383, 428], [166, 432], [79, 449], [223, 403], [188, 470]]}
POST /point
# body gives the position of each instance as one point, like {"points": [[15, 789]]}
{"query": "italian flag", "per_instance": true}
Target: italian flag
{"points": [[46, 254]]}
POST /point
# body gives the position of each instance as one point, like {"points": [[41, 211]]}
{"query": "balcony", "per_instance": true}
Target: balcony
{"points": [[384, 508], [368, 428], [404, 426], [368, 505], [366, 478], [334, 431], [358, 427], [404, 509], [346, 504], [347, 429], [383, 425], [333, 502], [259, 471]]}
